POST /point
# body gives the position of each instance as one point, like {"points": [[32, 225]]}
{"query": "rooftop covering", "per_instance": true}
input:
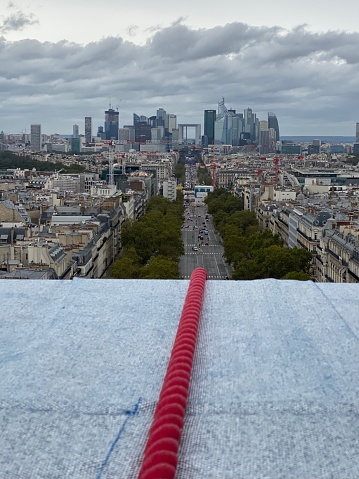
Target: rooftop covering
{"points": [[274, 390]]}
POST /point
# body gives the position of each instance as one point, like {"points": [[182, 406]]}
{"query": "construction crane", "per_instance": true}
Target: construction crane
{"points": [[213, 173]]}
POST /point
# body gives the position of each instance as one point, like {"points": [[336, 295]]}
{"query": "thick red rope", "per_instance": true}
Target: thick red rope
{"points": [[161, 452]]}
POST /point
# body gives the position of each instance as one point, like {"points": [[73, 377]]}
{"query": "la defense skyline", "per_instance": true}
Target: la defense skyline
{"points": [[221, 126], [227, 126]]}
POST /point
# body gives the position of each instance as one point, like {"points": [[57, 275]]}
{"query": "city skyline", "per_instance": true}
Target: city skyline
{"points": [[265, 58]]}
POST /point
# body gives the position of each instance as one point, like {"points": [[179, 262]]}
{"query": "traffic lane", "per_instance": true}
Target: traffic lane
{"points": [[210, 257], [215, 266]]}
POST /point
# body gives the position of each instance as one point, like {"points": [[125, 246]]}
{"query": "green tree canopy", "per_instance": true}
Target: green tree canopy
{"points": [[160, 267], [9, 160], [155, 235], [127, 266]]}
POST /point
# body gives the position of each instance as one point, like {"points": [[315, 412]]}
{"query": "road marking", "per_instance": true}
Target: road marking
{"points": [[209, 277]]}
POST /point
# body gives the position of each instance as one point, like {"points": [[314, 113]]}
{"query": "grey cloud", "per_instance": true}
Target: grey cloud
{"points": [[303, 76], [132, 30], [17, 21], [183, 43]]}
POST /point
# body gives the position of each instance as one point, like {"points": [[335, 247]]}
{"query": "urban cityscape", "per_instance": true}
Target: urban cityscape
{"points": [[305, 192], [179, 240]]}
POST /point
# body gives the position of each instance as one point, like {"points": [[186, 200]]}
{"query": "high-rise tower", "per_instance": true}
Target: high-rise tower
{"points": [[209, 122], [35, 137], [172, 122], [88, 129], [111, 124], [273, 123], [161, 118]]}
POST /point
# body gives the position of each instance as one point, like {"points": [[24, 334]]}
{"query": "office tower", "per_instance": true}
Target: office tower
{"points": [[111, 124], [175, 135], [357, 133], [314, 148], [235, 127], [35, 137], [2, 141], [152, 121], [161, 117], [209, 122], [171, 122], [75, 131], [263, 140], [142, 132], [272, 140], [273, 123], [88, 129], [100, 133], [137, 118], [248, 120], [228, 125], [250, 124], [124, 135], [75, 144], [158, 133]]}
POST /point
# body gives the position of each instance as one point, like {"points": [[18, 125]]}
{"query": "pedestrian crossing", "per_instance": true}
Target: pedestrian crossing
{"points": [[203, 251], [209, 277]]}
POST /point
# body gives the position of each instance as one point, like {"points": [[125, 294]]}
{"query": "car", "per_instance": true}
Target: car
{"points": [[206, 243], [194, 248], [205, 232]]}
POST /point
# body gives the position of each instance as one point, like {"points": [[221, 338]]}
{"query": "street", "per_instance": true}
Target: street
{"points": [[208, 256]]}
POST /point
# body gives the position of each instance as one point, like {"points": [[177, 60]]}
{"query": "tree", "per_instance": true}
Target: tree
{"points": [[155, 235], [276, 262], [160, 267], [127, 266], [297, 275], [11, 160]]}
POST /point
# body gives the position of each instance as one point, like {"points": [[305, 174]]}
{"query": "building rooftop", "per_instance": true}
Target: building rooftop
{"points": [[274, 389]]}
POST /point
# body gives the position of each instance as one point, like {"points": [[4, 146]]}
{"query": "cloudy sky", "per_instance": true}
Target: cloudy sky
{"points": [[63, 60]]}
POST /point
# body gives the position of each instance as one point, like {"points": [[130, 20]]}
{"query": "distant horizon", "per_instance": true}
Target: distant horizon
{"points": [[331, 138], [281, 136], [346, 138]]}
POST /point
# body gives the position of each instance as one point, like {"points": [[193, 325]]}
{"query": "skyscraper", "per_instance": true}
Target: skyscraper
{"points": [[357, 133], [209, 122], [172, 122], [228, 125], [35, 137], [88, 129], [111, 124], [161, 117], [250, 119], [75, 131], [142, 132], [273, 123]]}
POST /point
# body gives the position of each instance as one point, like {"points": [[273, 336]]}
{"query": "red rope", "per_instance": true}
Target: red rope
{"points": [[161, 452]]}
